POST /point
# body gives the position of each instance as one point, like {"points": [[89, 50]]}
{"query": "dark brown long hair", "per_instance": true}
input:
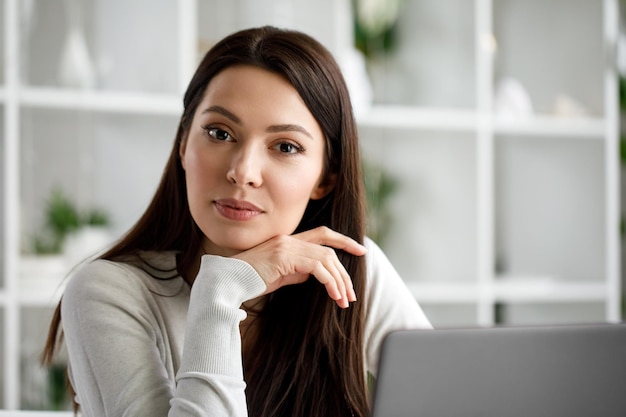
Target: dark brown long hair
{"points": [[308, 357]]}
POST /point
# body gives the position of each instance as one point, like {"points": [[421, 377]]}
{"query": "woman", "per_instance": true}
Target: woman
{"points": [[248, 263]]}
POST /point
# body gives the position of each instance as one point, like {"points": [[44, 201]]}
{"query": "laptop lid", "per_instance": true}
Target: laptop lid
{"points": [[560, 371]]}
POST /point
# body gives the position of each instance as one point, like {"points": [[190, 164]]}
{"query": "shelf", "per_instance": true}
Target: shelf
{"points": [[24, 413], [553, 126], [509, 290], [40, 300], [41, 292], [539, 290], [45, 291], [444, 293], [41, 280], [407, 117], [113, 102]]}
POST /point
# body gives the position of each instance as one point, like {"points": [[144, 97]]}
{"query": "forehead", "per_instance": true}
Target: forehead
{"points": [[249, 79], [256, 94]]}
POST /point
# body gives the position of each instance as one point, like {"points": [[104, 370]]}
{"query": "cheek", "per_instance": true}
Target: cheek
{"points": [[199, 170], [294, 191]]}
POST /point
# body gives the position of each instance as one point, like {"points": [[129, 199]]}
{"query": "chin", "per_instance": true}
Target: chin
{"points": [[229, 246]]}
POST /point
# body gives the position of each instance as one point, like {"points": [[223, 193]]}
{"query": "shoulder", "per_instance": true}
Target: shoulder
{"points": [[100, 274], [379, 269], [390, 305], [386, 291], [103, 279], [374, 256]]}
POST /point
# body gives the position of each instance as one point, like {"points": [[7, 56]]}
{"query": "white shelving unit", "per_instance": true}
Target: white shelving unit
{"points": [[455, 239], [101, 101], [21, 102], [473, 293]]}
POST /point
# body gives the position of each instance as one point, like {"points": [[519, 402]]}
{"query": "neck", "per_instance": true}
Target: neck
{"points": [[209, 248], [190, 271]]}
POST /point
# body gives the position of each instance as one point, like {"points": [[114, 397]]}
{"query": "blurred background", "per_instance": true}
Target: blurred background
{"points": [[490, 134]]}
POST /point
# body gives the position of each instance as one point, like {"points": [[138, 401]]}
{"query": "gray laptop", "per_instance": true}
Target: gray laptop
{"points": [[560, 371]]}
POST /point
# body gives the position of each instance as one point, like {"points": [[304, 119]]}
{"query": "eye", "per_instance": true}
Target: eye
{"points": [[219, 134], [289, 148]]}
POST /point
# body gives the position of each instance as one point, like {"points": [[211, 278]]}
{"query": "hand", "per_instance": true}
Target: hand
{"points": [[285, 260]]}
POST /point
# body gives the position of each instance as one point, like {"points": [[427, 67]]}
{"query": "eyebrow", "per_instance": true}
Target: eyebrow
{"points": [[221, 110], [288, 127]]}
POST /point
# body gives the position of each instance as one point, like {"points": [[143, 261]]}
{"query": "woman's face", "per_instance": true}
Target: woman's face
{"points": [[253, 159]]}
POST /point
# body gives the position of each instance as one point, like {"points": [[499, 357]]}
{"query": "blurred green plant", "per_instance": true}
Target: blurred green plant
{"points": [[622, 140], [62, 218], [96, 217], [622, 154], [57, 384], [375, 25], [379, 186]]}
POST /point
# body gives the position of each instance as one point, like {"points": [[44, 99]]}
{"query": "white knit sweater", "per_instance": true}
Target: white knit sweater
{"points": [[141, 346]]}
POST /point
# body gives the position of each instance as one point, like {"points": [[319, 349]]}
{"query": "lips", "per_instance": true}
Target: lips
{"points": [[236, 209]]}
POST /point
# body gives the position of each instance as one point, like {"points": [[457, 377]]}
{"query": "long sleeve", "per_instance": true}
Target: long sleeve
{"points": [[125, 331]]}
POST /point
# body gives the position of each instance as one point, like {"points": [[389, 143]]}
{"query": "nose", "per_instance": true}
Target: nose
{"points": [[245, 167]]}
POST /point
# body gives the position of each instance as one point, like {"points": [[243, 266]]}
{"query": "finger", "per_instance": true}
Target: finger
{"points": [[326, 278], [336, 268], [340, 275], [325, 236], [345, 280], [328, 275], [351, 295]]}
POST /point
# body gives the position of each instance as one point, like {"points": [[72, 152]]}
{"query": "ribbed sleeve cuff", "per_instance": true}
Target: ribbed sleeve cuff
{"points": [[212, 338]]}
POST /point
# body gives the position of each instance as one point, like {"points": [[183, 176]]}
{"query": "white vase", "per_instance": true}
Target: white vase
{"points": [[354, 68], [76, 69]]}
